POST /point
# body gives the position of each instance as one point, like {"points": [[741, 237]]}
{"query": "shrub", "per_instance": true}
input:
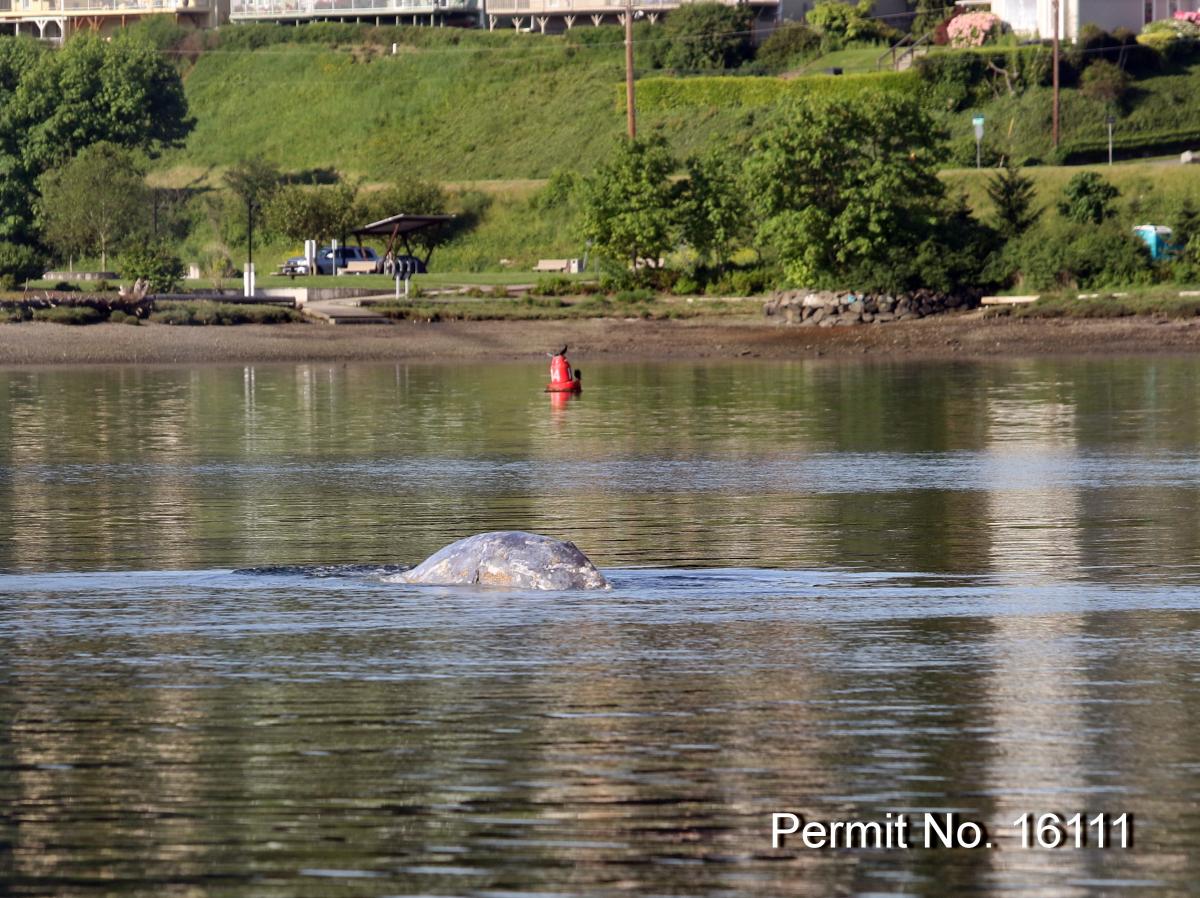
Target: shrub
{"points": [[705, 35], [69, 315], [743, 282], [205, 312], [1078, 255], [952, 79], [1104, 81], [941, 31], [18, 263], [636, 295], [839, 23], [972, 29], [1087, 198], [153, 262], [787, 45], [553, 286], [686, 286], [117, 316]]}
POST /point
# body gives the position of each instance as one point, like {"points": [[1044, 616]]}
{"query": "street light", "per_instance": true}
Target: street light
{"points": [[1054, 53], [630, 115]]}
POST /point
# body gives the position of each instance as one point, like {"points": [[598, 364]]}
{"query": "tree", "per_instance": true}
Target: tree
{"points": [[788, 44], [18, 263], [54, 104], [254, 181], [1105, 81], [839, 22], [700, 36], [120, 91], [95, 202], [929, 15], [1088, 198], [847, 189], [317, 213], [712, 207], [153, 263], [1012, 194], [1186, 223], [628, 205]]}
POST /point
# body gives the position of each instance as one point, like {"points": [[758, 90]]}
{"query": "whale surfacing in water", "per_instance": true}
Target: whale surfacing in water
{"points": [[508, 558]]}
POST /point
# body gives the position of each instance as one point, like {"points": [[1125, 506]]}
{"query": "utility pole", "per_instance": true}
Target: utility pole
{"points": [[630, 115], [1054, 114]]}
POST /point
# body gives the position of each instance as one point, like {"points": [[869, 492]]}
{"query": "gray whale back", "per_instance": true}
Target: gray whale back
{"points": [[508, 558]]}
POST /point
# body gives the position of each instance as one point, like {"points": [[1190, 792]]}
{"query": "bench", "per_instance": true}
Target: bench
{"points": [[560, 266], [1007, 300], [359, 266]]}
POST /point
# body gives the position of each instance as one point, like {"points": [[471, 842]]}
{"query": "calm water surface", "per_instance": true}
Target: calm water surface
{"points": [[840, 590]]}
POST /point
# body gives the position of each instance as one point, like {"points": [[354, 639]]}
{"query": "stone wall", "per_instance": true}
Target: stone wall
{"points": [[827, 309]]}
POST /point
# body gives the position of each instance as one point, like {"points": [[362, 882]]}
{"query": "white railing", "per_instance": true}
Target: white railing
{"points": [[527, 7], [36, 7], [250, 9]]}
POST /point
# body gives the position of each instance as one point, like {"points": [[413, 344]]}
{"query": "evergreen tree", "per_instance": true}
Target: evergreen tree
{"points": [[1012, 194]]}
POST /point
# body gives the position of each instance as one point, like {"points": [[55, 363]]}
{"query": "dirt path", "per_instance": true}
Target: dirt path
{"points": [[960, 336]]}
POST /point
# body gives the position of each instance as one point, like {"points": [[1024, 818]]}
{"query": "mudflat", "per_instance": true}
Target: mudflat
{"points": [[947, 336]]}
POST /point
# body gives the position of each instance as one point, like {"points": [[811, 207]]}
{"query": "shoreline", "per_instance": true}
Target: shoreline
{"points": [[943, 337]]}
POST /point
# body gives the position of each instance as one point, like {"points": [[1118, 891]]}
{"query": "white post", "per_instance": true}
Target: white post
{"points": [[333, 257], [310, 256], [248, 280]]}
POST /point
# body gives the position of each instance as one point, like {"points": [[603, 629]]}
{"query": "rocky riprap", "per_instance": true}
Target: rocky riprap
{"points": [[827, 309]]}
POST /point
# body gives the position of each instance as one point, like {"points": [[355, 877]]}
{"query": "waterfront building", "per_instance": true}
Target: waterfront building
{"points": [[1036, 17], [54, 20]]}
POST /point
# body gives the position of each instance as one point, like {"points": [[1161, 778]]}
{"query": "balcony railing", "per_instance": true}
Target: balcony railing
{"points": [[251, 9], [552, 7], [43, 7]]}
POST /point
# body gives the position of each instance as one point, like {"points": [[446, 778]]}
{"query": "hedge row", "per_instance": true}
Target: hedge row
{"points": [[1129, 144], [666, 94]]}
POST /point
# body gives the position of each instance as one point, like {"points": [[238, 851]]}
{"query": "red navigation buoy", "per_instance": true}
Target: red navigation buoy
{"points": [[562, 378]]}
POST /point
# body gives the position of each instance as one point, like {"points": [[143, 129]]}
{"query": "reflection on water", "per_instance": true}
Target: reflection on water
{"points": [[839, 590]]}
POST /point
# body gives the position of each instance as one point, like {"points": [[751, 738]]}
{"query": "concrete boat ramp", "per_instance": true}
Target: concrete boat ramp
{"points": [[332, 305], [344, 311]]}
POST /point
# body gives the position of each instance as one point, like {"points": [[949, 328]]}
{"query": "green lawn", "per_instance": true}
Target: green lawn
{"points": [[852, 61]]}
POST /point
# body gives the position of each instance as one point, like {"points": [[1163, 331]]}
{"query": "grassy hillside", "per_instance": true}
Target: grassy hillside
{"points": [[494, 114], [456, 106]]}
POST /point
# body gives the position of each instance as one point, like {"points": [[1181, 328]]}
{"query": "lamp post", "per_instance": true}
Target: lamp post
{"points": [[977, 121], [1110, 121], [1054, 113], [630, 116]]}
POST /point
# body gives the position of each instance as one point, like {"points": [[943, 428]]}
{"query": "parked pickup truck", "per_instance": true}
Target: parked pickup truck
{"points": [[298, 265]]}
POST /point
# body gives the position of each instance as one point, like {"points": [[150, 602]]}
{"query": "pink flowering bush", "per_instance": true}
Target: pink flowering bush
{"points": [[1184, 16], [972, 29]]}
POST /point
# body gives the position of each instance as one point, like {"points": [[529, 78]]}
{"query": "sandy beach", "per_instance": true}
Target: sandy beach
{"points": [[965, 336]]}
